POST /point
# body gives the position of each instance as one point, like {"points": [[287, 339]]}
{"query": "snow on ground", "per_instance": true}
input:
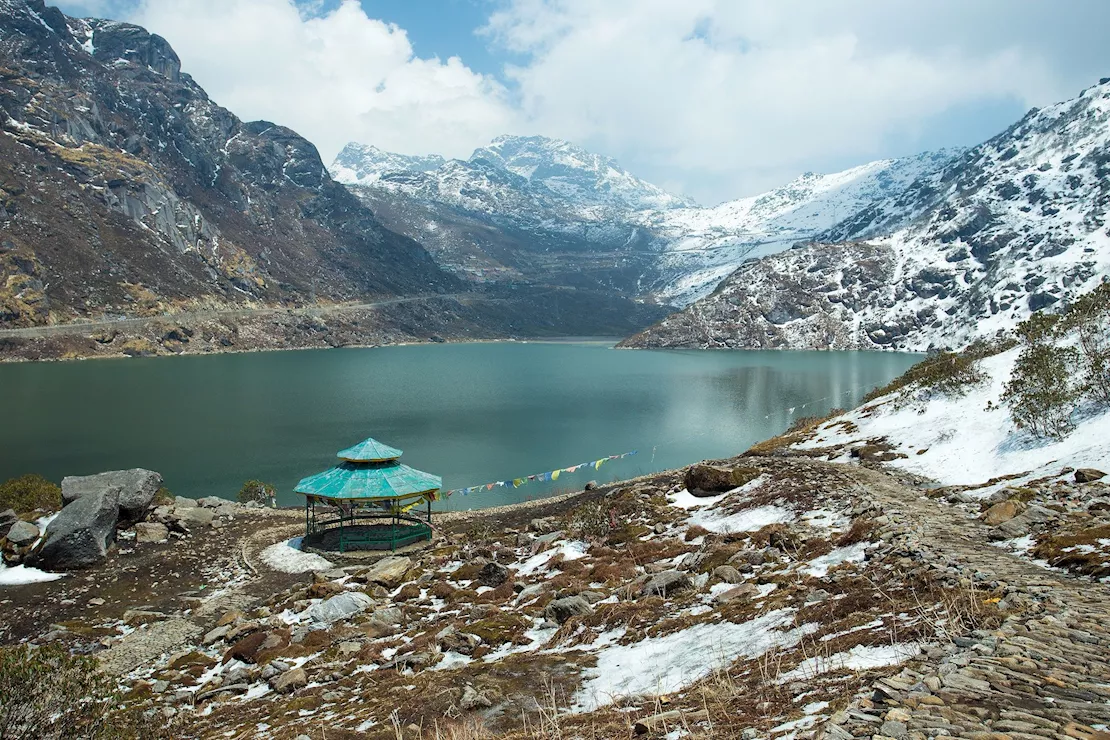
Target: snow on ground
{"points": [[859, 658], [570, 550], [820, 566], [663, 665], [686, 500], [748, 520], [288, 557], [959, 441], [22, 574]]}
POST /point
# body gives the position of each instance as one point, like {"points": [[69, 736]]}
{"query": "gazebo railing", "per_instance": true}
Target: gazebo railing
{"points": [[412, 529]]}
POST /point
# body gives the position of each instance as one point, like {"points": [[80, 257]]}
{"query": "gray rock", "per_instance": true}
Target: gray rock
{"points": [[727, 573], [592, 597], [194, 515], [151, 532], [289, 681], [136, 489], [563, 609], [339, 607], [1088, 475], [8, 517], [665, 583], [891, 728], [22, 534], [472, 699], [211, 502], [493, 575], [81, 533], [751, 557], [184, 501]]}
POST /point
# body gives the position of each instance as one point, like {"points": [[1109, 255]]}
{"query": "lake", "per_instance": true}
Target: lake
{"points": [[473, 413]]}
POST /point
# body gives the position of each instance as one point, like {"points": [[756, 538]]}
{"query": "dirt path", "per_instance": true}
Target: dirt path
{"points": [[1044, 673]]}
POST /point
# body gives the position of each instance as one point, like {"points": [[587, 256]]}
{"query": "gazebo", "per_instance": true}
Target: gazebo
{"points": [[370, 501]]}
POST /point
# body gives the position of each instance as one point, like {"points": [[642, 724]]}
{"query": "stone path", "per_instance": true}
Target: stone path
{"points": [[1044, 673]]}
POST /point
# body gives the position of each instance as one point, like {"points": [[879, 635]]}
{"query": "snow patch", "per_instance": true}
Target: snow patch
{"points": [[288, 557]]}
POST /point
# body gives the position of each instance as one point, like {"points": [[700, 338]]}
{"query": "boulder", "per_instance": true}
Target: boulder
{"points": [[472, 699], [184, 501], [289, 681], [1003, 511], [338, 607], [389, 571], [704, 480], [8, 517], [727, 573], [492, 575], [23, 534], [79, 536], [563, 609], [136, 487], [665, 583], [1088, 475], [743, 591], [211, 502], [151, 532], [194, 515]]}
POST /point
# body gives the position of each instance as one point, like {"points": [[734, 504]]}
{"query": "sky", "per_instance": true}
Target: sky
{"points": [[715, 99]]}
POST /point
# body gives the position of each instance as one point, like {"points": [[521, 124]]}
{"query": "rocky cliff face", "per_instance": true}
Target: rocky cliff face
{"points": [[124, 189], [1012, 226]]}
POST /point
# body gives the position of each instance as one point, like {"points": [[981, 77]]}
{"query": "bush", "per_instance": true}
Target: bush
{"points": [[30, 492], [946, 373], [1090, 317], [1041, 392], [48, 693], [256, 490]]}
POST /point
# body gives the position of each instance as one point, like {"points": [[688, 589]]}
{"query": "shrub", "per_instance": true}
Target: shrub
{"points": [[1090, 317], [48, 693], [30, 492], [946, 373], [1041, 393], [256, 490]]}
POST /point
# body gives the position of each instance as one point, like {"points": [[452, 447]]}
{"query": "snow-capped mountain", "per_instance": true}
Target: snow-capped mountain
{"points": [[704, 245], [547, 209], [1016, 224], [363, 164]]}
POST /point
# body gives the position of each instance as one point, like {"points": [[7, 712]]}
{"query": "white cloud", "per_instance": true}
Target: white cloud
{"points": [[745, 95], [715, 98], [332, 76]]}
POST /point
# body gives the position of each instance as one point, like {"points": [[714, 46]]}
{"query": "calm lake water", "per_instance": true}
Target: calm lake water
{"points": [[473, 413]]}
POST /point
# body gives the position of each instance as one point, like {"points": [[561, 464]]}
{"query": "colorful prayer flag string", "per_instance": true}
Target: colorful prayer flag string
{"points": [[518, 482]]}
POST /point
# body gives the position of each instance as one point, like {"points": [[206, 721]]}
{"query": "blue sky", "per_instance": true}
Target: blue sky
{"points": [[717, 99]]}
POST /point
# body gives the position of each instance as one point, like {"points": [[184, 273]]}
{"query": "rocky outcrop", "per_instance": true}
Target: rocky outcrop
{"points": [[124, 189], [702, 480], [136, 487], [81, 533]]}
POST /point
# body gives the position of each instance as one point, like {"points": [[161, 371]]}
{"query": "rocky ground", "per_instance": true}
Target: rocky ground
{"points": [[805, 599]]}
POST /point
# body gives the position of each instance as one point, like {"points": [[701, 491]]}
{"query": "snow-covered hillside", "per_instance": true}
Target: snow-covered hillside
{"points": [[552, 196], [1016, 224], [968, 439], [704, 245]]}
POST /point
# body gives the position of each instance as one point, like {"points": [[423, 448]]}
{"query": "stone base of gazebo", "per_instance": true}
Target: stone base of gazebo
{"points": [[371, 536]]}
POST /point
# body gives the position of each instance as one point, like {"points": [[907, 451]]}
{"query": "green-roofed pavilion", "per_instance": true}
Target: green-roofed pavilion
{"points": [[368, 498]]}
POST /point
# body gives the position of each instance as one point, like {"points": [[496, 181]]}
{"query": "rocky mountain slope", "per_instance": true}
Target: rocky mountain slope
{"points": [[124, 189], [1014, 225], [534, 207]]}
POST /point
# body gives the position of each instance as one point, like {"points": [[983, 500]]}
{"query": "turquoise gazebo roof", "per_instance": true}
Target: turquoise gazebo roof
{"points": [[363, 481], [369, 450]]}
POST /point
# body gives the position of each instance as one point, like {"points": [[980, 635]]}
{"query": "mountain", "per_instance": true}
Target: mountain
{"points": [[1014, 225], [704, 245], [362, 164], [523, 208], [545, 209], [124, 189]]}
